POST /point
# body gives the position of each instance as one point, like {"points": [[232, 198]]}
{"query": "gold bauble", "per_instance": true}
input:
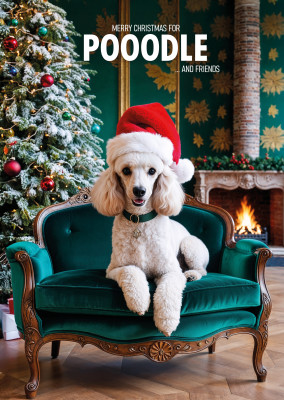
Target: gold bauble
{"points": [[11, 132]]}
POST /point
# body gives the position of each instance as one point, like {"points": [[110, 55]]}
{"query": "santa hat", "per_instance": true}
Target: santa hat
{"points": [[148, 128]]}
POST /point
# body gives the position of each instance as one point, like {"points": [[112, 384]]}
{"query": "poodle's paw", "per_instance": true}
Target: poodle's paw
{"points": [[167, 326], [192, 275], [195, 252], [139, 302]]}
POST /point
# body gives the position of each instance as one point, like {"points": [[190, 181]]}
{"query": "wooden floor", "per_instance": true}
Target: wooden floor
{"points": [[88, 373]]}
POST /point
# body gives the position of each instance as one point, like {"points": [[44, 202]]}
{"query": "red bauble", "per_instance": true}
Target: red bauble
{"points": [[47, 184], [10, 43], [12, 168], [47, 80]]}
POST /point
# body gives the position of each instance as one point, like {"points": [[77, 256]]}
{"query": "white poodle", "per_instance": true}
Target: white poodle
{"points": [[139, 184]]}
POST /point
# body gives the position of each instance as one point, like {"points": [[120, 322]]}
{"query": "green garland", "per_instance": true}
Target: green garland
{"points": [[239, 162]]}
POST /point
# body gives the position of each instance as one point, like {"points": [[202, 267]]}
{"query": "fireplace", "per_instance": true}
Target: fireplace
{"points": [[261, 190], [250, 209]]}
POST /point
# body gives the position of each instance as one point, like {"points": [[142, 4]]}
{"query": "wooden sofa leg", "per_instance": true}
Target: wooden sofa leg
{"points": [[259, 347], [212, 348], [55, 347], [32, 350]]}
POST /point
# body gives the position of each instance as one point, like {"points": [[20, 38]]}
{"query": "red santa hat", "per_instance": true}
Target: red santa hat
{"points": [[148, 128]]}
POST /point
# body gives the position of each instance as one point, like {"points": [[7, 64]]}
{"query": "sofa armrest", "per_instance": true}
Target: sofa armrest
{"points": [[242, 261], [40, 258], [29, 265]]}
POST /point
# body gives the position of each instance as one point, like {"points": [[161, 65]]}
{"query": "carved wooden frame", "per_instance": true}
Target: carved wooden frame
{"points": [[157, 350]]}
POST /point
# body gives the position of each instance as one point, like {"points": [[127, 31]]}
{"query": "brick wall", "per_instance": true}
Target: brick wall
{"points": [[246, 77], [276, 216]]}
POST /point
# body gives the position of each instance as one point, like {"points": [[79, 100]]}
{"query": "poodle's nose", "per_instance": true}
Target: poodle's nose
{"points": [[139, 191]]}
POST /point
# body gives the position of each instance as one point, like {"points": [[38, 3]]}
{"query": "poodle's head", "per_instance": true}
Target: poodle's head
{"points": [[138, 182]]}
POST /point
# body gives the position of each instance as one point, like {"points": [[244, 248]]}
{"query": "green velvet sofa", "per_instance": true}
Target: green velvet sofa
{"points": [[61, 293]]}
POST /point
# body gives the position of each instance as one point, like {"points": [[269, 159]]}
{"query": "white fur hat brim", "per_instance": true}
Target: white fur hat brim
{"points": [[146, 142], [184, 170], [140, 142]]}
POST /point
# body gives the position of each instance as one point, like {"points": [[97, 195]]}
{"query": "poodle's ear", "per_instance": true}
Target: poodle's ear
{"points": [[168, 196], [107, 194]]}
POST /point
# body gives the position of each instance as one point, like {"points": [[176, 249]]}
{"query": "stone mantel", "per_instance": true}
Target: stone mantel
{"points": [[230, 180]]}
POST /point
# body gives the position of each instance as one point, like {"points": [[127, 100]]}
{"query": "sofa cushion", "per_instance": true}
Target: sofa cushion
{"points": [[141, 329], [90, 292]]}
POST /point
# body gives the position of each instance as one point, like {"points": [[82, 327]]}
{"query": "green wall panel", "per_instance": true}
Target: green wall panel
{"points": [[206, 99], [272, 77], [143, 73]]}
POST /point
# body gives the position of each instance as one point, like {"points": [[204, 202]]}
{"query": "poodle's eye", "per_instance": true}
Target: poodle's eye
{"points": [[152, 171], [126, 171]]}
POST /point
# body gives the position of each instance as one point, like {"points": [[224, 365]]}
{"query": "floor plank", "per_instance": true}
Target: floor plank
{"points": [[89, 373]]}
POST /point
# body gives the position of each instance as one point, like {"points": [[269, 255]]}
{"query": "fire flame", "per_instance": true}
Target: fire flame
{"points": [[245, 221]]}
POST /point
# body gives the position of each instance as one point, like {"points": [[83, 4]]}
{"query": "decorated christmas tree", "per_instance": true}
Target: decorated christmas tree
{"points": [[49, 147]]}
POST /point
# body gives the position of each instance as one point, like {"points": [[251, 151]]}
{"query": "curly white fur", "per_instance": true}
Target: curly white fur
{"points": [[154, 253]]}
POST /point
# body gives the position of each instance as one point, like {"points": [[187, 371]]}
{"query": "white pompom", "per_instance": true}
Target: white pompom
{"points": [[184, 170]]}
